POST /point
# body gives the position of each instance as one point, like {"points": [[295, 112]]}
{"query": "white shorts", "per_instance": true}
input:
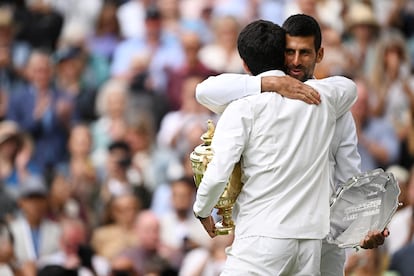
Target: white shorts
{"points": [[264, 256], [332, 260]]}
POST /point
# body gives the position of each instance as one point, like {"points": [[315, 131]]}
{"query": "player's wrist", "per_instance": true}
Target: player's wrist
{"points": [[198, 216]]}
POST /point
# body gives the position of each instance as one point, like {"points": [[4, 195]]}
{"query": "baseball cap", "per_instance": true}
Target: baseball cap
{"points": [[33, 186]]}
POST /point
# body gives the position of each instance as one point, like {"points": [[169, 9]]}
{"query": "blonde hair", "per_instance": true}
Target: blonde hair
{"points": [[112, 86]]}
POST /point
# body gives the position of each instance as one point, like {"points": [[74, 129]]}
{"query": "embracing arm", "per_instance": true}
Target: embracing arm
{"points": [[217, 92], [341, 92]]}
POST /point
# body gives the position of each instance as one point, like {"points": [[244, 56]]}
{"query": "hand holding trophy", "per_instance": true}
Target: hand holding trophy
{"points": [[200, 158], [365, 203]]}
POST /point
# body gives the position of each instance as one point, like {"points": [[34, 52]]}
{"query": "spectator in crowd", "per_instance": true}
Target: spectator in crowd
{"points": [[111, 123], [165, 51], [365, 262], [36, 236], [401, 261], [393, 86], [117, 230], [131, 17], [81, 172], [11, 15], [7, 262], [192, 66], [336, 59], [309, 7], [78, 176], [142, 97], [10, 78], [68, 80], [42, 111], [116, 180], [402, 175], [92, 67], [179, 228], [78, 12], [221, 55], [377, 141], [107, 34], [152, 165], [74, 252], [181, 129], [401, 17], [170, 17], [150, 255], [362, 31], [41, 25], [17, 160], [61, 202], [11, 141], [402, 223], [207, 261]]}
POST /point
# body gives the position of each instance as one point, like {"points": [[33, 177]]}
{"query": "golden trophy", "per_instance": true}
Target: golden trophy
{"points": [[200, 158]]}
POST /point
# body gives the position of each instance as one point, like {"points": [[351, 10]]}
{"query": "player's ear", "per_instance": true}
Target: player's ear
{"points": [[246, 68], [319, 55]]}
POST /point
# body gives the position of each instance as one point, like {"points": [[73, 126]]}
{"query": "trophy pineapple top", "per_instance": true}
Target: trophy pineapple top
{"points": [[208, 136], [203, 152]]}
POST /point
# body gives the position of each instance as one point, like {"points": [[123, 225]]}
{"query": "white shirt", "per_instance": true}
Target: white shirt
{"points": [[215, 93], [283, 145]]}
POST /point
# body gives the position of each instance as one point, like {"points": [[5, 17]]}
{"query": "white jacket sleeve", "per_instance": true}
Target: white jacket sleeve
{"points": [[345, 150], [341, 92], [230, 137], [217, 92]]}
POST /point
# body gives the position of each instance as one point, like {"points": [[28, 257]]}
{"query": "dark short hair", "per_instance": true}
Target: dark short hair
{"points": [[261, 45], [119, 144], [304, 25]]}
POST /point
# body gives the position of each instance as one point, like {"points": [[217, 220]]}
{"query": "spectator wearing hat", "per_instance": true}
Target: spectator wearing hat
{"points": [[36, 235], [16, 151], [10, 143], [361, 31]]}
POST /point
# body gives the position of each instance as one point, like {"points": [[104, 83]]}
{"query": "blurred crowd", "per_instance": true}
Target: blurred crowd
{"points": [[98, 118]]}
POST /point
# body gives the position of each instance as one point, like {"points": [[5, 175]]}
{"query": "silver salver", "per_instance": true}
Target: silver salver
{"points": [[365, 202]]}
